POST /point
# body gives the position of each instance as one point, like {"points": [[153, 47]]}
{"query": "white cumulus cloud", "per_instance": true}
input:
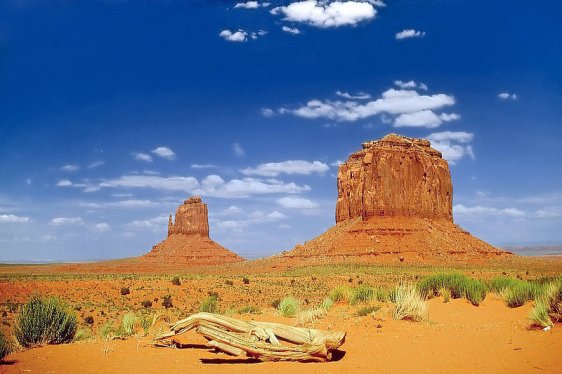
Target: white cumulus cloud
{"points": [[478, 210], [327, 14], [164, 152], [409, 85], [234, 36], [454, 145], [273, 169], [392, 102]]}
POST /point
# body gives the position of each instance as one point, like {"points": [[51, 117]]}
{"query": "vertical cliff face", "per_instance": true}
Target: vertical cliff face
{"points": [[192, 218], [188, 241], [395, 177]]}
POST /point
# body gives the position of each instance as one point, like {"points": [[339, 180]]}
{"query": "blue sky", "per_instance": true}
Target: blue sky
{"points": [[113, 112]]}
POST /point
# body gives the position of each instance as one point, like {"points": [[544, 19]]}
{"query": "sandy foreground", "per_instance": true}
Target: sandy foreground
{"points": [[457, 337]]}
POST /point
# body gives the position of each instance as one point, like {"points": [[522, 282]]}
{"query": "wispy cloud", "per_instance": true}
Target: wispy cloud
{"points": [[95, 164], [101, 227], [478, 210], [123, 204], [142, 156], [297, 203], [11, 218], [328, 14], [411, 85], [63, 221], [409, 33], [507, 96], [357, 96], [203, 166], [164, 152], [291, 30], [251, 5], [69, 168], [238, 150], [273, 169]]}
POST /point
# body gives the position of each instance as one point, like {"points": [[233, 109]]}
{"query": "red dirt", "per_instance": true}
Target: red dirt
{"points": [[457, 337]]}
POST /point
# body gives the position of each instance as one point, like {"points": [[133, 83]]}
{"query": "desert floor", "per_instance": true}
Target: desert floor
{"points": [[455, 336]]}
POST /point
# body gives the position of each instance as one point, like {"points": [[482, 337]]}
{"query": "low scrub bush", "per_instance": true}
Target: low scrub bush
{"points": [[210, 304], [367, 310], [288, 307], [409, 303], [340, 294], [44, 321], [246, 280], [5, 346], [176, 281], [106, 331], [125, 291], [146, 304], [167, 301], [539, 314], [89, 320]]}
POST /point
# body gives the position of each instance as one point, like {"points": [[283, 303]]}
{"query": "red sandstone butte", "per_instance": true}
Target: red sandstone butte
{"points": [[395, 202], [188, 239]]}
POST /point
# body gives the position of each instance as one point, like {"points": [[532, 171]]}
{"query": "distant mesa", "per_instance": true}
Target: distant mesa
{"points": [[188, 241], [395, 200]]}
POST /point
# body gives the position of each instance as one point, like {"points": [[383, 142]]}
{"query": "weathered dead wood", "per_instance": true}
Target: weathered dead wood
{"points": [[257, 339]]}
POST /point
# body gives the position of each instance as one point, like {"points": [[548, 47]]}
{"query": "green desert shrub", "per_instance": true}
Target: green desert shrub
{"points": [[146, 322], [176, 281], [44, 321], [5, 346], [146, 304], [409, 304], [446, 293], [288, 307], [341, 293], [367, 310], [106, 331], [364, 294], [246, 280], [125, 291], [210, 304], [458, 286]]}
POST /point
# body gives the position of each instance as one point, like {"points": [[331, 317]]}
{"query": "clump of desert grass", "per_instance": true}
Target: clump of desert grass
{"points": [[455, 285], [310, 316], [367, 310], [5, 346], [44, 320], [249, 309], [288, 307], [365, 294], [409, 303], [83, 334], [341, 294], [548, 305], [128, 324], [516, 292]]}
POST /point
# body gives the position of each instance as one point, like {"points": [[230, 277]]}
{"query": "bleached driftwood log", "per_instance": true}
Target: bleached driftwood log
{"points": [[260, 340]]}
